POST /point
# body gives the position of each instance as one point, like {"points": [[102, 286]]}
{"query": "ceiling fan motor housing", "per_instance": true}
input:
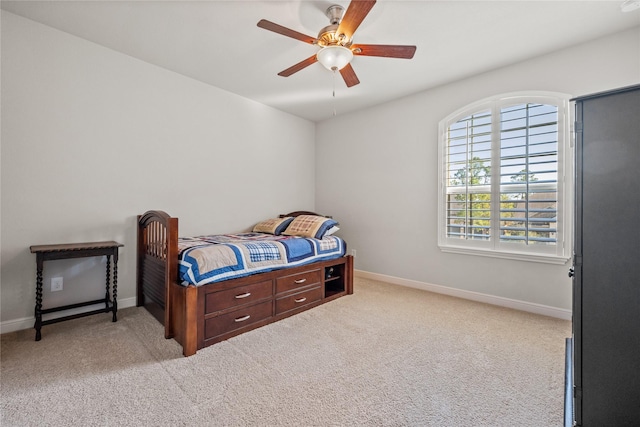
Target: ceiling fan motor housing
{"points": [[328, 36]]}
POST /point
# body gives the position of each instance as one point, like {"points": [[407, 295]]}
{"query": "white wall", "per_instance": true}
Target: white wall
{"points": [[382, 180], [92, 137]]}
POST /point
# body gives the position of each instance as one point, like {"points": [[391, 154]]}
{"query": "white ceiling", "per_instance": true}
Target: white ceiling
{"points": [[218, 42]]}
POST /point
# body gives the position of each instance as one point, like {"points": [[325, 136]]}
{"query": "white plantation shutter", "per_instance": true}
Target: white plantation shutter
{"points": [[468, 166], [502, 178], [529, 173]]}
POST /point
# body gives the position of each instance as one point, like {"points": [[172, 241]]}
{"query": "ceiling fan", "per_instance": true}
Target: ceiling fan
{"points": [[336, 41]]}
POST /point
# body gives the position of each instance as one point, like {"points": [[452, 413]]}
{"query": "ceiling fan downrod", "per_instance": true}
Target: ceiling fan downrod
{"points": [[334, 13]]}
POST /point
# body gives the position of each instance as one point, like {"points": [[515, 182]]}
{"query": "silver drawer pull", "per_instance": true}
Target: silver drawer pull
{"points": [[300, 281], [246, 294], [243, 318], [303, 299]]}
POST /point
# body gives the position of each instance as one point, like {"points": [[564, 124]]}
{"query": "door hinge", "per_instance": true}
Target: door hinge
{"points": [[577, 392], [577, 128]]}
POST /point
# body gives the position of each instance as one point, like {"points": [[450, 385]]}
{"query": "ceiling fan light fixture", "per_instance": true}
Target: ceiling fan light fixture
{"points": [[334, 57]]}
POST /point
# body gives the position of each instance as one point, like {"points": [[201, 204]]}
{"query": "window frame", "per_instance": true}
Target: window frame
{"points": [[494, 247]]}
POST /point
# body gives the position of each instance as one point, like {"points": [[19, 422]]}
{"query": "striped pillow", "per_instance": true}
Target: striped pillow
{"points": [[310, 226], [273, 226]]}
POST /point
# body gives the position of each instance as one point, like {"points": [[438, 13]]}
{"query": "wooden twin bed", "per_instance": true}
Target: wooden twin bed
{"points": [[199, 316]]}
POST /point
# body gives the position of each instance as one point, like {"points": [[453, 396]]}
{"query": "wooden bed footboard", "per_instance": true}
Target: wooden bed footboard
{"points": [[157, 289]]}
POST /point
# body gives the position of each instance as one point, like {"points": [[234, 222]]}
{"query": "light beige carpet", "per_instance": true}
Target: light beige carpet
{"points": [[385, 356]]}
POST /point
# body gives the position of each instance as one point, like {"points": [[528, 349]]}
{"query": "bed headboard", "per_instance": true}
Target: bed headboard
{"points": [[298, 213]]}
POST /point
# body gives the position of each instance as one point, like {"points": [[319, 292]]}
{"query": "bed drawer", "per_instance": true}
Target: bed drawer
{"points": [[217, 301], [300, 299], [306, 278], [219, 325]]}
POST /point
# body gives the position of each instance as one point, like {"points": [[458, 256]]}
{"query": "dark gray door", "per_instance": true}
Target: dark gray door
{"points": [[607, 258]]}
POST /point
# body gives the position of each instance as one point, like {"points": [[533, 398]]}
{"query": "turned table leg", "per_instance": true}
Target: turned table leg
{"points": [[38, 309], [115, 285]]}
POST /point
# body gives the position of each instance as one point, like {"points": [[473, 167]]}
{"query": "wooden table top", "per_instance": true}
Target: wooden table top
{"points": [[75, 246]]}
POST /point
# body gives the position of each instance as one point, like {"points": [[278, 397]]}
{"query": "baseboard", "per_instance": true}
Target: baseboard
{"points": [[27, 322], [545, 310], [530, 307]]}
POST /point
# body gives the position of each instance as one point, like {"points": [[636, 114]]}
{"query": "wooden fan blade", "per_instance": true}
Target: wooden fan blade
{"points": [[385, 50], [353, 17], [272, 26], [299, 66], [349, 76]]}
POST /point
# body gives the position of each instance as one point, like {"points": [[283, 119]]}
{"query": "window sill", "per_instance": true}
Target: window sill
{"points": [[530, 257]]}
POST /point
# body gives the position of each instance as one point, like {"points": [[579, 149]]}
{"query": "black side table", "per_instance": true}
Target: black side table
{"points": [[76, 250]]}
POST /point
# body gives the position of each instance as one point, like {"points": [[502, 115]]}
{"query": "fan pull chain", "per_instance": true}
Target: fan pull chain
{"points": [[334, 92]]}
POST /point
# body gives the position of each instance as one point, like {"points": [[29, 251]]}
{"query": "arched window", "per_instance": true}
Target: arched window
{"points": [[504, 178]]}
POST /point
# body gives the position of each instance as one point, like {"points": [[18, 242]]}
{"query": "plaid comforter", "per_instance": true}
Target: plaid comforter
{"points": [[208, 259]]}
